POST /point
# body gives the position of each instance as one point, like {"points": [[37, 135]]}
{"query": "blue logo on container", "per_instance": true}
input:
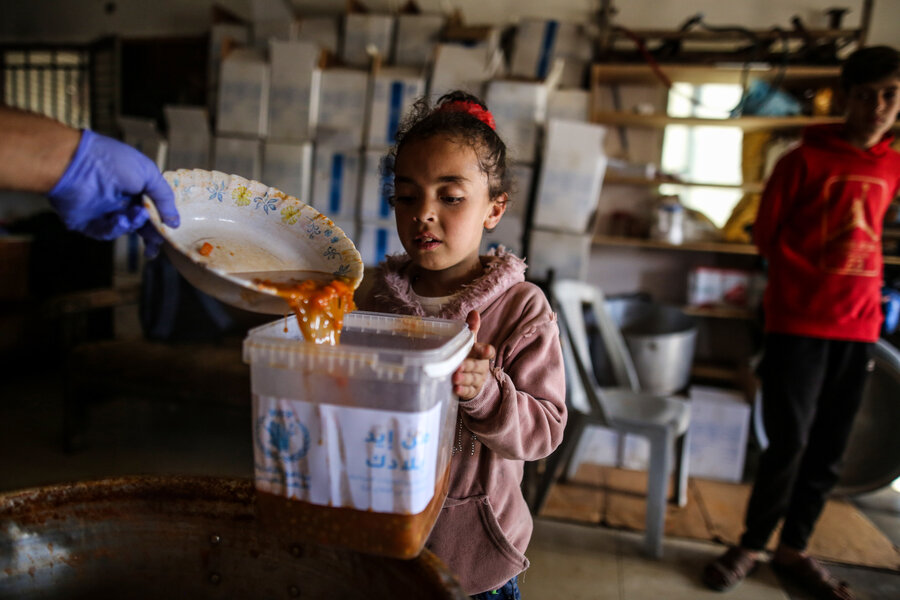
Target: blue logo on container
{"points": [[281, 436]]}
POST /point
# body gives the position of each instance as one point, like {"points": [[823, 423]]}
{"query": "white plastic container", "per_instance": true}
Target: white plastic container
{"points": [[352, 442]]}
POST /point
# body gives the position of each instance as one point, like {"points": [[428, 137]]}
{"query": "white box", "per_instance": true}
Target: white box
{"points": [[189, 137], [336, 182], [416, 39], [222, 37], [265, 32], [521, 177], [243, 102], [394, 90], [294, 91], [508, 233], [720, 424], [343, 101], [237, 156], [362, 31], [567, 254], [539, 42], [142, 134], [373, 195], [519, 109], [320, 30], [571, 176], [569, 104], [711, 286], [464, 68], [288, 167], [376, 240]]}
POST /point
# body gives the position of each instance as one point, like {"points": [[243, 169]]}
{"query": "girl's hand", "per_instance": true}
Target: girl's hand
{"points": [[469, 378]]}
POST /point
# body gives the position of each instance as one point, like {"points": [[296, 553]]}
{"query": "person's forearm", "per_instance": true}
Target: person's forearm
{"points": [[34, 150]]}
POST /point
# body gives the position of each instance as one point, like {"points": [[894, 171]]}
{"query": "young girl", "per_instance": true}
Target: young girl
{"points": [[450, 183]]}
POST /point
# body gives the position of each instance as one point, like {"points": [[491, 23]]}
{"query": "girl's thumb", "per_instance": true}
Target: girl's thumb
{"points": [[473, 320]]}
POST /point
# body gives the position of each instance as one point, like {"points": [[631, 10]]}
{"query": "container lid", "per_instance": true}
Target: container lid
{"points": [[388, 344]]}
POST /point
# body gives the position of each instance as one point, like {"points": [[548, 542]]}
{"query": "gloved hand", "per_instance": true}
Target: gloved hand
{"points": [[99, 195]]}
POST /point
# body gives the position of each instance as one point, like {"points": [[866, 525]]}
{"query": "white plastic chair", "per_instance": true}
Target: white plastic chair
{"points": [[663, 421]]}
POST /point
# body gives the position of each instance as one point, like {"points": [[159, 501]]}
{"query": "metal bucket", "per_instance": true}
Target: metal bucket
{"points": [[183, 537], [661, 340]]}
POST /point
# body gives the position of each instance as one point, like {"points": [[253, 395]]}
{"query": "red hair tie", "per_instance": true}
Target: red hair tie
{"points": [[472, 108]]}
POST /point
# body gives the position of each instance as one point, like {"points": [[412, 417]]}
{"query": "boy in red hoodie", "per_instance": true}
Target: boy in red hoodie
{"points": [[819, 226]]}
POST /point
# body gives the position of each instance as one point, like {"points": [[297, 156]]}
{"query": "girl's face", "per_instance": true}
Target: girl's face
{"points": [[442, 207]]}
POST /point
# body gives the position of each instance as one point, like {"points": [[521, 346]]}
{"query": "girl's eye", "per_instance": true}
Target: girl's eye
{"points": [[452, 199], [401, 200]]}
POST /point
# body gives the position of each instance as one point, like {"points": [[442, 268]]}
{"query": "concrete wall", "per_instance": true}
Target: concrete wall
{"points": [[82, 20]]}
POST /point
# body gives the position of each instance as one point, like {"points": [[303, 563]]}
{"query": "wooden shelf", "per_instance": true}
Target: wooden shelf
{"points": [[892, 260], [719, 312], [614, 179], [720, 247], [611, 74], [659, 121], [716, 372]]}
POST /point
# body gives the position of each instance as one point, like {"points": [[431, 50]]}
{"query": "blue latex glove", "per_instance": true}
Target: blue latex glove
{"points": [[100, 193]]}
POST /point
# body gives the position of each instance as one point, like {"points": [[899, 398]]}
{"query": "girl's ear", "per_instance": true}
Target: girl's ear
{"points": [[497, 208]]}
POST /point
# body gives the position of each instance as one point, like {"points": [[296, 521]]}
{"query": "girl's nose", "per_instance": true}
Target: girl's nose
{"points": [[424, 212]]}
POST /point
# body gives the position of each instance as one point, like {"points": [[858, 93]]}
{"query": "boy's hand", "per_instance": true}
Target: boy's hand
{"points": [[469, 378]]}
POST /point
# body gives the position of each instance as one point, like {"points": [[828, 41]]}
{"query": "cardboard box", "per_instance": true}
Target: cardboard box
{"points": [[462, 68], [720, 425], [319, 30], [519, 108], [376, 240], [243, 101], [294, 90], [336, 175], [567, 254], [711, 286], [571, 176], [394, 90], [364, 30], [569, 104], [374, 192], [288, 167], [268, 31], [343, 102], [237, 156], [508, 233], [416, 40], [522, 177], [142, 134], [189, 137], [222, 37], [539, 43]]}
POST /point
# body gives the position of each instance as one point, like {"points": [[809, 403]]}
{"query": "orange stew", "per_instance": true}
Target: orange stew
{"points": [[320, 306], [385, 534]]}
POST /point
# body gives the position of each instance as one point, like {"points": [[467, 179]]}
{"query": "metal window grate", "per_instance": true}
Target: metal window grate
{"points": [[53, 82]]}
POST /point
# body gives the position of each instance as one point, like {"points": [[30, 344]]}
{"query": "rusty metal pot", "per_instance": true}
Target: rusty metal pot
{"points": [[183, 537]]}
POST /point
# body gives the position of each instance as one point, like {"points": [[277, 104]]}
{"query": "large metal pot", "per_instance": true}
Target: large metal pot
{"points": [[872, 457], [183, 537]]}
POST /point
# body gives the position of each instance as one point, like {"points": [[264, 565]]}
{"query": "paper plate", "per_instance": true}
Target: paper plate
{"points": [[251, 232]]}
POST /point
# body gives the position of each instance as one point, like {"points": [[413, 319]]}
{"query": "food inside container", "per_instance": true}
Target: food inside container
{"points": [[352, 443]]}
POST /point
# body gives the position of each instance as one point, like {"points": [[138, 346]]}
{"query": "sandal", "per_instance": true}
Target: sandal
{"points": [[730, 569], [810, 574]]}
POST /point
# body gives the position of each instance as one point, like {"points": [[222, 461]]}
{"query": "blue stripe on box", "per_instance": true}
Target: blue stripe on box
{"points": [[337, 175], [381, 242], [547, 48], [395, 109], [384, 208]]}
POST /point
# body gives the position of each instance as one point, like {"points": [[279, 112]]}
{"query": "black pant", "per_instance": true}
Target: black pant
{"points": [[811, 389]]}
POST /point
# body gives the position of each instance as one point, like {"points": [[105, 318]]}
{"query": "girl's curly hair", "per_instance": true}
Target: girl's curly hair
{"points": [[425, 120]]}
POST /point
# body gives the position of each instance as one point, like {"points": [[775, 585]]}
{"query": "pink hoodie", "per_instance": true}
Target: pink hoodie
{"points": [[519, 415]]}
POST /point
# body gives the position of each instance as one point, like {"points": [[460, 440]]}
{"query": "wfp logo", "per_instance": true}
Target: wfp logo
{"points": [[281, 436]]}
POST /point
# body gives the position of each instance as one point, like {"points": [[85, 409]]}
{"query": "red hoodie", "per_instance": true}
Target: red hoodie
{"points": [[819, 225]]}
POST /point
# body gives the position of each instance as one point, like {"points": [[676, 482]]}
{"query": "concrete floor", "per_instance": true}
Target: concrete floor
{"points": [[569, 561]]}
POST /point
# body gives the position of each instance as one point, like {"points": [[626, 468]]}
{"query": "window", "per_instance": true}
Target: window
{"points": [[53, 82], [704, 154]]}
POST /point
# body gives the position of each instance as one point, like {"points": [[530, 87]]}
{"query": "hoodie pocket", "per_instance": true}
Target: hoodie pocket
{"points": [[468, 537]]}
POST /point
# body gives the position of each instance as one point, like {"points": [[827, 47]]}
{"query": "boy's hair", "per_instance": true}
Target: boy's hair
{"points": [[425, 121], [870, 64]]}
